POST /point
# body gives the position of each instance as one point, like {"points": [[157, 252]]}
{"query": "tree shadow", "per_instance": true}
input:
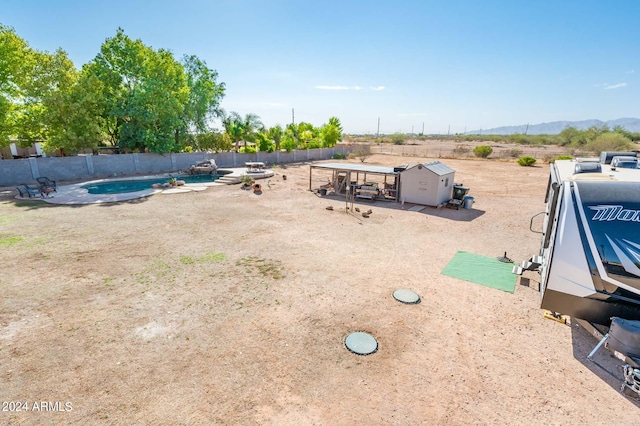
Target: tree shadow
{"points": [[37, 204]]}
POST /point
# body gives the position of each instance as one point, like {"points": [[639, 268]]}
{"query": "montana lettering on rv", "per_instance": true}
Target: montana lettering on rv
{"points": [[609, 213]]}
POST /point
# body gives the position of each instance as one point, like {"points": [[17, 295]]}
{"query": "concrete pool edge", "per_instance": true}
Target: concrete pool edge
{"points": [[75, 194]]}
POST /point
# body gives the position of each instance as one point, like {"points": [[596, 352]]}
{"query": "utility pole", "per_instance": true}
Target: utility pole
{"points": [[449, 130], [378, 132], [527, 129], [412, 130], [293, 116], [423, 128]]}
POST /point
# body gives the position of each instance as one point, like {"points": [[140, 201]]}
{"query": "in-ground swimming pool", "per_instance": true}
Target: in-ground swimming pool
{"points": [[132, 185]]}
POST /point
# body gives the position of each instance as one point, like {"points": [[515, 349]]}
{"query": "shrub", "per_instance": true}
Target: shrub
{"points": [[609, 142], [398, 138], [518, 138], [526, 161], [564, 157], [362, 151], [513, 153], [482, 151], [548, 158], [461, 150], [246, 180], [339, 156]]}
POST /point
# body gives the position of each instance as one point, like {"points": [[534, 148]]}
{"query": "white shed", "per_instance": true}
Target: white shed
{"points": [[430, 184]]}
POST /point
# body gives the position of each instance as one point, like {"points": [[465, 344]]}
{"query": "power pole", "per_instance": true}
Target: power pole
{"points": [[378, 132], [293, 116], [423, 128], [449, 130]]}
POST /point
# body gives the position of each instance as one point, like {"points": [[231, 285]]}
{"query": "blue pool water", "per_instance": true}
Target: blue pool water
{"points": [[132, 185]]}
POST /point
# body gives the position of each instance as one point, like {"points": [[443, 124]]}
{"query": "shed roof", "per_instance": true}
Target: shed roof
{"points": [[356, 167], [436, 167]]}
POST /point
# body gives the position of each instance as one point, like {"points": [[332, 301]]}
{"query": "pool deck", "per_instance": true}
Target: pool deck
{"points": [[75, 194]]}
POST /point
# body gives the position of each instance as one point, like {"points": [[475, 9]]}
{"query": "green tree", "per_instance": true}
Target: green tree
{"points": [[398, 138], [276, 133], [289, 140], [213, 141], [16, 58], [335, 121], [74, 117], [307, 135], [330, 134], [263, 142], [51, 75], [205, 94], [568, 135], [291, 137], [27, 79], [609, 141], [251, 125], [232, 124], [144, 93], [632, 136]]}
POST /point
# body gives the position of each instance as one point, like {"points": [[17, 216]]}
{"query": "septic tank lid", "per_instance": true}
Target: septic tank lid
{"points": [[406, 296], [361, 343]]}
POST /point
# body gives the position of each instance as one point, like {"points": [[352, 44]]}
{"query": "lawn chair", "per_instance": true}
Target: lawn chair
{"points": [[47, 185], [25, 190]]}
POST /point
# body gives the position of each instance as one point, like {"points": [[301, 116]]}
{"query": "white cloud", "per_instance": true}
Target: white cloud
{"points": [[377, 88], [615, 86]]}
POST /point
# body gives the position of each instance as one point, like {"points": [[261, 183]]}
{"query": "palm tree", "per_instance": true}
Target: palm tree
{"points": [[250, 124], [233, 127], [275, 133], [335, 121]]}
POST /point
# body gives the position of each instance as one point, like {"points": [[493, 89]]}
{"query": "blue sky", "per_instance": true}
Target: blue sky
{"points": [[448, 65]]}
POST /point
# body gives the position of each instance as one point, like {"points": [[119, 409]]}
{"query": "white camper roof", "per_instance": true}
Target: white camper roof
{"points": [[566, 172]]}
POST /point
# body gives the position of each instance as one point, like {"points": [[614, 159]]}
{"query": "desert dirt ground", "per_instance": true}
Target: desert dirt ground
{"points": [[230, 307]]}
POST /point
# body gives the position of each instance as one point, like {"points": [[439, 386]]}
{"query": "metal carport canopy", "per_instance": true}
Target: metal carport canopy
{"points": [[357, 168], [347, 167]]}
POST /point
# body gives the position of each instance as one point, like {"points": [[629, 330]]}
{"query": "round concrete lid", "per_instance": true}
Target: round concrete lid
{"points": [[406, 296], [361, 343]]}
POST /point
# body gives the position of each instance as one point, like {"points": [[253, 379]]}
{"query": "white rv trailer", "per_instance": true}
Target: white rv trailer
{"points": [[589, 258], [590, 251]]}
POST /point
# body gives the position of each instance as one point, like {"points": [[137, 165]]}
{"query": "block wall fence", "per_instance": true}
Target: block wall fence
{"points": [[87, 167]]}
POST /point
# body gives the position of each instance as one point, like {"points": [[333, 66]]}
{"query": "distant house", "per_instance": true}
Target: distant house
{"points": [[14, 151], [429, 184]]}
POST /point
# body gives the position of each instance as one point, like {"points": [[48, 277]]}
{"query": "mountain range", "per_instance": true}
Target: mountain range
{"points": [[555, 127]]}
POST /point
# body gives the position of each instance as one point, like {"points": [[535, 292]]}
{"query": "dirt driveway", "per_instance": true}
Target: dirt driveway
{"points": [[227, 307]]}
